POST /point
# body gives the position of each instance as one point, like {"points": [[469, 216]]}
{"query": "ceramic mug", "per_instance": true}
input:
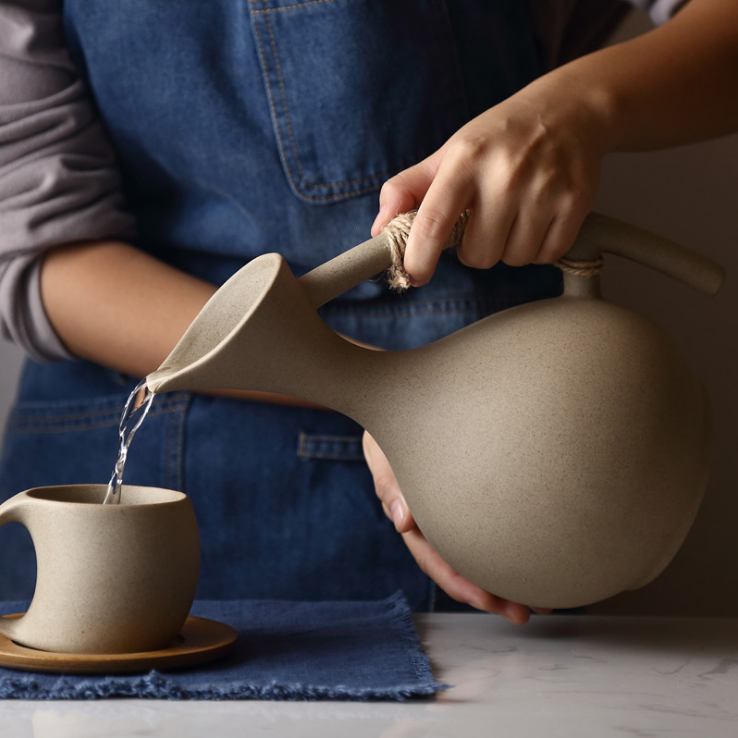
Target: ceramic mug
{"points": [[111, 578]]}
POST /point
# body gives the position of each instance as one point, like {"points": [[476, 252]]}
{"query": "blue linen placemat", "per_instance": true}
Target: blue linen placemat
{"points": [[285, 651]]}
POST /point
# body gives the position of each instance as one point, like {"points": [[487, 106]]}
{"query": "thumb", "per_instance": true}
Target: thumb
{"points": [[405, 191], [386, 486]]}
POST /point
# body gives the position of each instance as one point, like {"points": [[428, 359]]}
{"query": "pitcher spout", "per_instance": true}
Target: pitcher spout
{"points": [[261, 331]]}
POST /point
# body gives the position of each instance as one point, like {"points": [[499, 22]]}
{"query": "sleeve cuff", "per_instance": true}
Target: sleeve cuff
{"points": [[23, 317]]}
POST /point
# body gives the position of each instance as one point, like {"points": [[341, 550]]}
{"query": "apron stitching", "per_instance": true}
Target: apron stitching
{"points": [[113, 412], [331, 439], [301, 447], [303, 181], [306, 442], [333, 456], [287, 7], [181, 453], [287, 117], [87, 421], [288, 120], [175, 444]]}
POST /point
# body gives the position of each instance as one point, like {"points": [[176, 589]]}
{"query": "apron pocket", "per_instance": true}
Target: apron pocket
{"points": [[358, 89]]}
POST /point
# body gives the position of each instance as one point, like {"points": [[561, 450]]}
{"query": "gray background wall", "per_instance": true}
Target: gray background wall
{"points": [[690, 195]]}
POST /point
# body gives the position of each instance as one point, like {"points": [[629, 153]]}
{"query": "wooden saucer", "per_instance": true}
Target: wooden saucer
{"points": [[200, 640]]}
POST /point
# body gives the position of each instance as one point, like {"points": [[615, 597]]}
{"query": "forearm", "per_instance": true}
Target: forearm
{"points": [[673, 85], [117, 306]]}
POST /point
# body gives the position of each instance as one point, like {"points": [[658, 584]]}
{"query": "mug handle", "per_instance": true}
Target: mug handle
{"points": [[12, 511]]}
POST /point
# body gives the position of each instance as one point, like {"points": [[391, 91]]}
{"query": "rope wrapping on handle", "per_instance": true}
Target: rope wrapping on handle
{"points": [[581, 267], [398, 231]]}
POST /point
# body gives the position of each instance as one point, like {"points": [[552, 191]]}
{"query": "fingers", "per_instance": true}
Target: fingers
{"points": [[514, 230], [440, 199], [561, 234], [458, 588], [386, 486], [449, 194], [430, 232], [486, 234], [526, 171], [405, 191]]}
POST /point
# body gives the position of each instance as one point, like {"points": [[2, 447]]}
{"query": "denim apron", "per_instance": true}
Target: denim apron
{"points": [[244, 127]]}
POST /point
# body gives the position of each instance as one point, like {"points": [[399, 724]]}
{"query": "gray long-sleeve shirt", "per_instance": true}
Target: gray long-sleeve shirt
{"points": [[58, 179]]}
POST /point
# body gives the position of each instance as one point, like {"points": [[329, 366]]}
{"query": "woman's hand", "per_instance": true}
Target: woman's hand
{"points": [[429, 561], [527, 170]]}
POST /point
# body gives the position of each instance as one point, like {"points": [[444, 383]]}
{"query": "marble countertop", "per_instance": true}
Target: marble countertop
{"points": [[573, 676]]}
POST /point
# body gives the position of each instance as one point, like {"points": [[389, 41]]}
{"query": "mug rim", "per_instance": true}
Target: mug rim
{"points": [[54, 494]]}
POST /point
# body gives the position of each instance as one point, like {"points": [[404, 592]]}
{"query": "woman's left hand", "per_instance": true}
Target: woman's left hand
{"points": [[430, 562]]}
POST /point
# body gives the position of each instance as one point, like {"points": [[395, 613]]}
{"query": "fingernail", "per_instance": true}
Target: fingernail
{"points": [[397, 512]]}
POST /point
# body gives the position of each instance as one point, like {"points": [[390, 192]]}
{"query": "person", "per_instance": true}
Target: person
{"points": [[149, 149]]}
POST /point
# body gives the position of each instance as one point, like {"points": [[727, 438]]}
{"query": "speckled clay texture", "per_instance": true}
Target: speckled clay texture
{"points": [[111, 578], [555, 454]]}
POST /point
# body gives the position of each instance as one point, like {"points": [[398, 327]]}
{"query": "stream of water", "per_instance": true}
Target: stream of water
{"points": [[136, 409]]}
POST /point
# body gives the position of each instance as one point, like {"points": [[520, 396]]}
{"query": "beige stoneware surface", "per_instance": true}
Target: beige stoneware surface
{"points": [[554, 454], [111, 578]]}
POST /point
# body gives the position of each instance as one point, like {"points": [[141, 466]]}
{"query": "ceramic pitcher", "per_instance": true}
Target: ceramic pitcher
{"points": [[555, 453]]}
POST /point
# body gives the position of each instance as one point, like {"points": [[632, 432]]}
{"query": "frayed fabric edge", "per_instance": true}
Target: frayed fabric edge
{"points": [[157, 686]]}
